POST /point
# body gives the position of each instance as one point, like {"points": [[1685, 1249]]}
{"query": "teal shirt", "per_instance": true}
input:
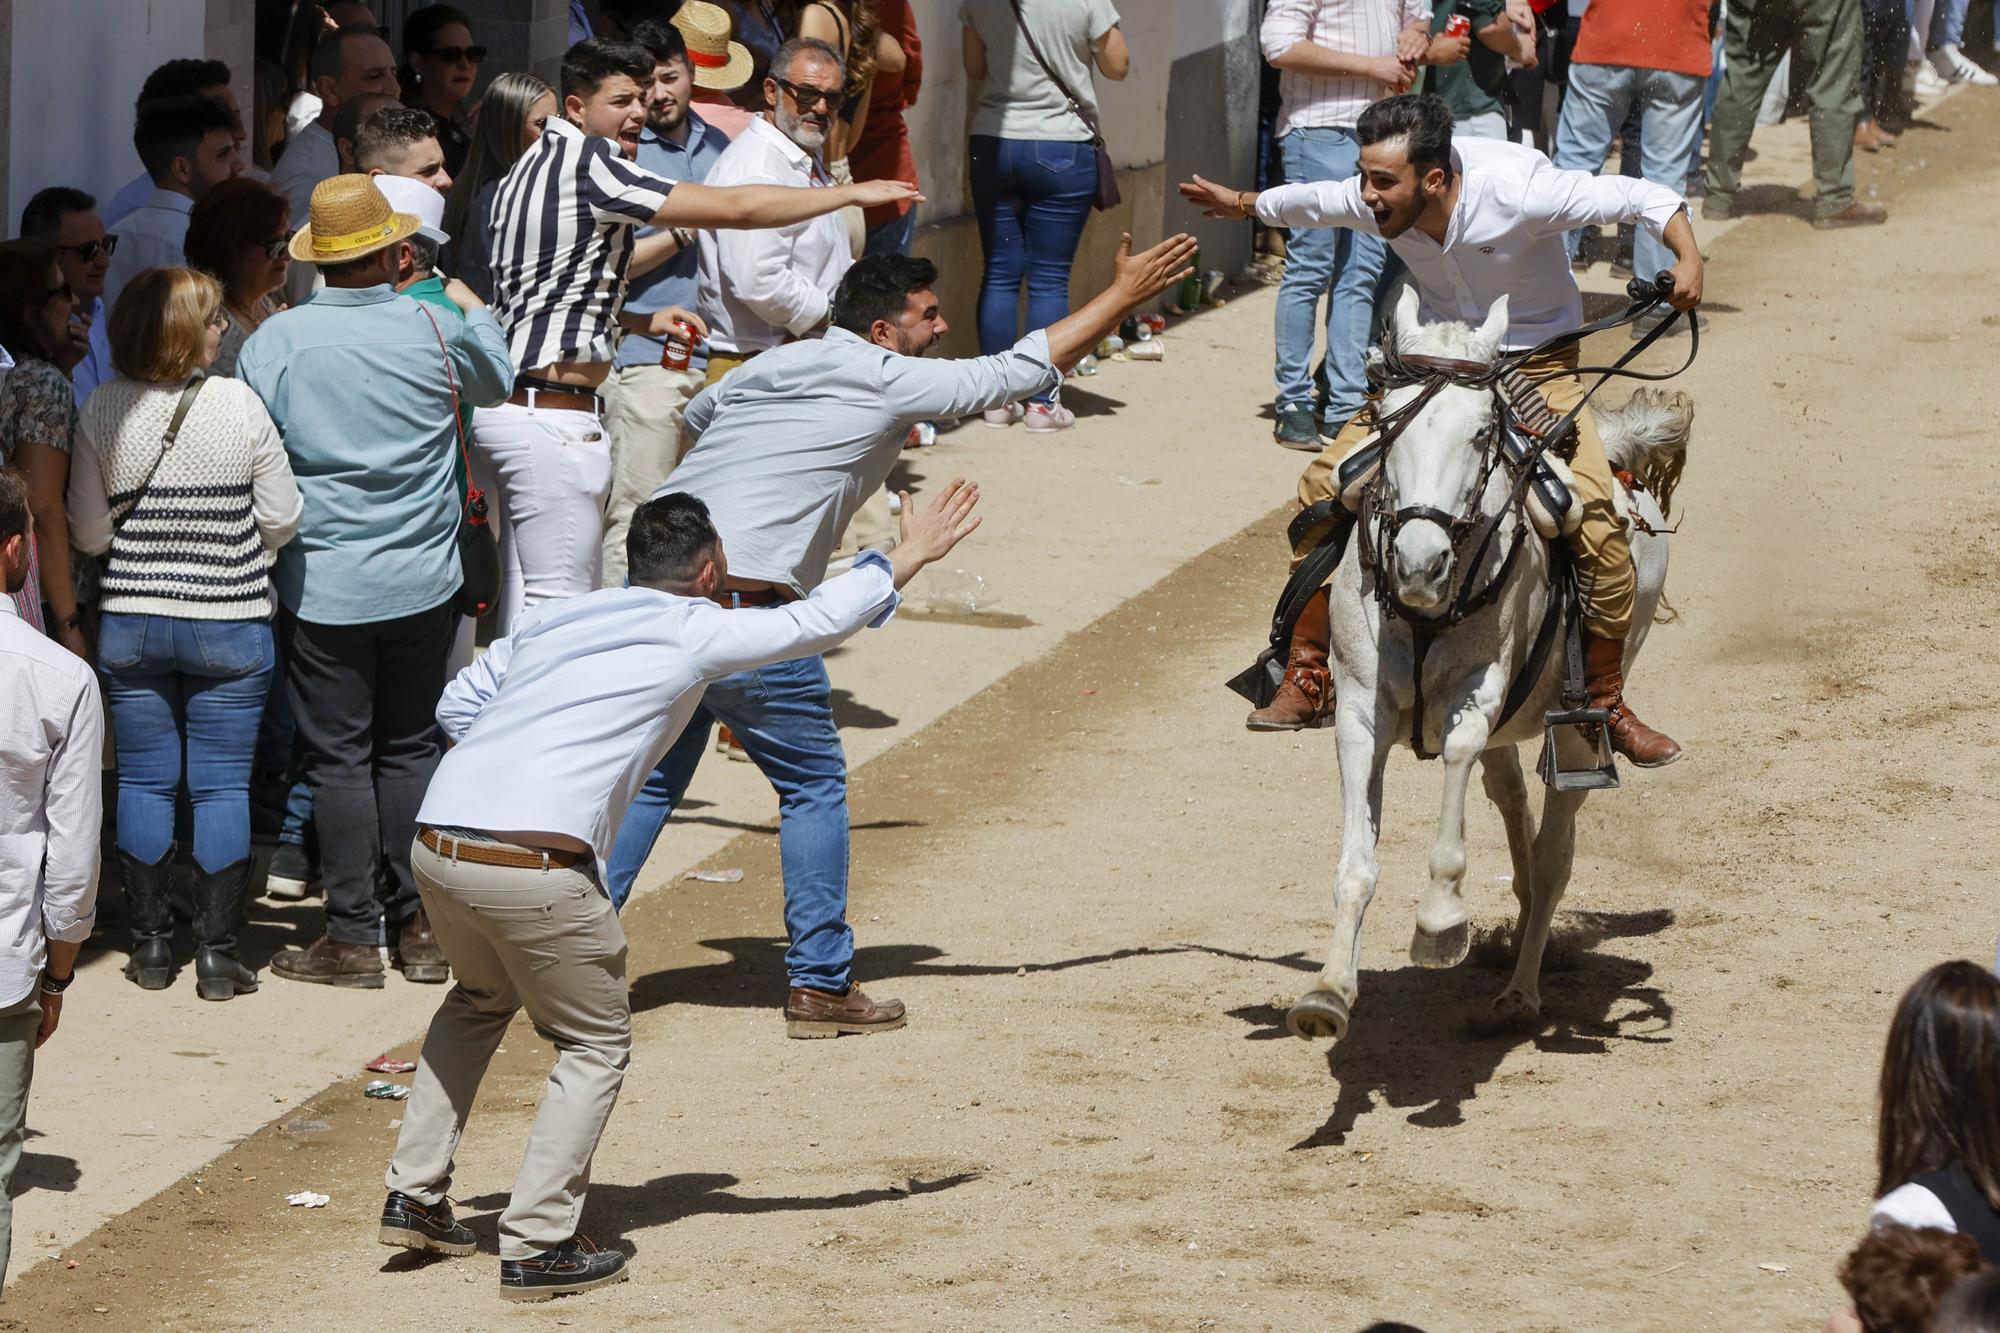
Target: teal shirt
{"points": [[431, 292], [1476, 85], [356, 383]]}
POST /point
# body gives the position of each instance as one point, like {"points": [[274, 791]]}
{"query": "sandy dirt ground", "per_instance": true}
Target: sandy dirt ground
{"points": [[1098, 894]]}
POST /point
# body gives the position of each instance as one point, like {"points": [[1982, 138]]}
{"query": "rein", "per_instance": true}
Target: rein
{"points": [[1381, 519]]}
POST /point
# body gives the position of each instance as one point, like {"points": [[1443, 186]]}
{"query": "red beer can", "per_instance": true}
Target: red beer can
{"points": [[680, 343], [1458, 25]]}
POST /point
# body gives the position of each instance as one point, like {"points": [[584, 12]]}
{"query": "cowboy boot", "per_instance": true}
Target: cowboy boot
{"points": [[218, 916], [1305, 696], [151, 965], [1604, 679]]}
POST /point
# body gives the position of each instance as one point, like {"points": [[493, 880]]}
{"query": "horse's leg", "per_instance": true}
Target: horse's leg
{"points": [[1444, 931], [1361, 735], [1500, 772], [1555, 853]]}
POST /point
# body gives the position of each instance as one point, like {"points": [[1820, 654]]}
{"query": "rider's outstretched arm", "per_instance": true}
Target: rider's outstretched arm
{"points": [[1306, 204]]}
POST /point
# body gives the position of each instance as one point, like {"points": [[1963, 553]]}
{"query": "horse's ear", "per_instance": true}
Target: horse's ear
{"points": [[1494, 331], [1407, 322]]}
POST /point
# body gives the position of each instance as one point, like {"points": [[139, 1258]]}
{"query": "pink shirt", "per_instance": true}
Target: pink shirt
{"points": [[1355, 27]]}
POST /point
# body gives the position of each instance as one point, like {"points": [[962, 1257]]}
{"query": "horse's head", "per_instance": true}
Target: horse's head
{"points": [[1435, 461]]}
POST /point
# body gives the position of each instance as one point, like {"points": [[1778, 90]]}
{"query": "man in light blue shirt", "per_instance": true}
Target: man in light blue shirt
{"points": [[68, 220], [553, 730], [644, 400], [785, 450], [362, 383]]}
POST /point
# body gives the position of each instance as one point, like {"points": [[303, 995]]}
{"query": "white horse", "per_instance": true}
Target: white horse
{"points": [[1435, 463]]}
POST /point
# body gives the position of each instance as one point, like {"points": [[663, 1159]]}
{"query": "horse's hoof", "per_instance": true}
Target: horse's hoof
{"points": [[1447, 948], [1318, 1013], [1512, 1008]]}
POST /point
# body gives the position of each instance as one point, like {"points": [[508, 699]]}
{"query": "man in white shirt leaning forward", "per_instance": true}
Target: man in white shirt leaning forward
{"points": [[51, 742], [1475, 221], [552, 732]]}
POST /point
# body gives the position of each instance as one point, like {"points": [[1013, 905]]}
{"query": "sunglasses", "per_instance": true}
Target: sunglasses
{"points": [[277, 247], [63, 290], [453, 55], [87, 250], [809, 98]]}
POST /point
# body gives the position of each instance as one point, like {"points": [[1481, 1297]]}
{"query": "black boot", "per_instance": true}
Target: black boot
{"points": [[152, 962], [218, 915]]}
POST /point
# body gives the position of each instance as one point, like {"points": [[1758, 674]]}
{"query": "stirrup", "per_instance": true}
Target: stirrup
{"points": [[1603, 775]]}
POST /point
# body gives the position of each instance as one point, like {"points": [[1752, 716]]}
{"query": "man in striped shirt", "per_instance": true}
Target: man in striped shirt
{"points": [[564, 220], [1334, 57]]}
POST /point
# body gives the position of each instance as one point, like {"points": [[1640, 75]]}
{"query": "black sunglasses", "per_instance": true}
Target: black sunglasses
{"points": [[276, 246], [452, 55], [808, 98], [64, 290], [87, 250]]}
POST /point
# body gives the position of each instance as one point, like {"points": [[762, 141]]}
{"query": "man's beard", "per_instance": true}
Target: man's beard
{"points": [[664, 125], [802, 132]]}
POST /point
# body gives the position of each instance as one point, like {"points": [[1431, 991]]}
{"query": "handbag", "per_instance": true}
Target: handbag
{"points": [[478, 549], [166, 442], [1107, 195]]}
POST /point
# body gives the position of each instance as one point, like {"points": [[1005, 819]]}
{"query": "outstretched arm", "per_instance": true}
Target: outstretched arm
{"points": [[1335, 203], [1135, 279], [736, 207]]}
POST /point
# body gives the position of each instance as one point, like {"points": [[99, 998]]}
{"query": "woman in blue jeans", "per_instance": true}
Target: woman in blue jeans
{"points": [[1034, 169], [183, 480]]}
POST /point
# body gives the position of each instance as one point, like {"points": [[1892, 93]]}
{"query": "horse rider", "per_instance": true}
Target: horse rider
{"points": [[1475, 221]]}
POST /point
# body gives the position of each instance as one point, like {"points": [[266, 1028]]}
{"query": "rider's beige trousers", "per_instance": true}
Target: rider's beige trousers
{"points": [[1603, 555]]}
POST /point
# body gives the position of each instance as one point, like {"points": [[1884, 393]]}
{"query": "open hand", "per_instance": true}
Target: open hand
{"points": [[947, 521], [1150, 272], [871, 194], [1217, 201]]}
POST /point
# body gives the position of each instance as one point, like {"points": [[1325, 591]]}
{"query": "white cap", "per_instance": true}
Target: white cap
{"points": [[413, 196]]}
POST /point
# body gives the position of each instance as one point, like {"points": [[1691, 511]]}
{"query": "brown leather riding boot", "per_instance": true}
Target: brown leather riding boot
{"points": [[418, 952], [1305, 696], [1604, 678], [822, 1013]]}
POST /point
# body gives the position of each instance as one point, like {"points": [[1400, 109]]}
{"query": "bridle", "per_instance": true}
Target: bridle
{"points": [[1512, 443]]}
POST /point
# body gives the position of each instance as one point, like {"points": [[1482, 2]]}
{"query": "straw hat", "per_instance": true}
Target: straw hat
{"points": [[350, 220], [719, 64]]}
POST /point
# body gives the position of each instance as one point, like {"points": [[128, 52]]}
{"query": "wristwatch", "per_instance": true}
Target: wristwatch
{"points": [[55, 985]]}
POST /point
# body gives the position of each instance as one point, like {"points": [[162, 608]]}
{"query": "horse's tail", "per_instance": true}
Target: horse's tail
{"points": [[1647, 436]]}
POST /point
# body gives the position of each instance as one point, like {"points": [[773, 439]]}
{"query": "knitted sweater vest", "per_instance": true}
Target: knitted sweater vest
{"points": [[187, 543]]}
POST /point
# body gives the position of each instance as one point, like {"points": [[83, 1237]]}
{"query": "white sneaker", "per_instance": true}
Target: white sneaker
{"points": [[1046, 417], [1929, 83], [1952, 63], [999, 418]]}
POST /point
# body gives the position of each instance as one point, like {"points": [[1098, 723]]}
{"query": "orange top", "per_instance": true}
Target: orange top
{"points": [[1647, 34]]}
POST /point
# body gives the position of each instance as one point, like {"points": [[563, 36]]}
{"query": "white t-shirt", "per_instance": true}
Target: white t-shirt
{"points": [[1911, 1206], [1017, 99]]}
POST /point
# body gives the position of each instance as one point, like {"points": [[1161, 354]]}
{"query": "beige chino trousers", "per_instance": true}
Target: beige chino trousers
{"points": [[643, 406], [542, 940]]}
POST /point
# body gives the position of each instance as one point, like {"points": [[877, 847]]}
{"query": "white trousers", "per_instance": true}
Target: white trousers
{"points": [[550, 471]]}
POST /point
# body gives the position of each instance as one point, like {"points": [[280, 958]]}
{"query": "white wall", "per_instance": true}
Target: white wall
{"points": [[1135, 111]]}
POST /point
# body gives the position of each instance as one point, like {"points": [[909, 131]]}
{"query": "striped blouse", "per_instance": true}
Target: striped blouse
{"points": [[563, 225]]}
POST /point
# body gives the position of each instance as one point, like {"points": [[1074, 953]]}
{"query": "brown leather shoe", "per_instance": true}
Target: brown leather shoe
{"points": [[1860, 213], [819, 1013], [418, 953], [1305, 696], [1867, 138], [1604, 678], [330, 963]]}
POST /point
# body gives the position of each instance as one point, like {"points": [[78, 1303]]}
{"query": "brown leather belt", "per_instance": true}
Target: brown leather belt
{"points": [[549, 394], [732, 599], [486, 854]]}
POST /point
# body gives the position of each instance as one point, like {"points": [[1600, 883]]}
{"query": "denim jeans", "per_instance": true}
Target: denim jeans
{"points": [[1032, 197], [1337, 263], [1600, 97], [186, 697], [892, 238], [783, 715]]}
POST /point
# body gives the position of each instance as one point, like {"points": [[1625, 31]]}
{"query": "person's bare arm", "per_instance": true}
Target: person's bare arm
{"points": [[1312, 58], [757, 207], [1679, 237], [1135, 279], [46, 471], [649, 252], [890, 58], [972, 50], [1508, 38], [1114, 58]]}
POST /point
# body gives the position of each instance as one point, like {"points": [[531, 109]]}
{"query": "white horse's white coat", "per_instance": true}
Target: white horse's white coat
{"points": [[1466, 676]]}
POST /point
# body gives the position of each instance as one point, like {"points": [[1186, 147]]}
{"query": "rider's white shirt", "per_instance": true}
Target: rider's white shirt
{"points": [[1504, 238]]}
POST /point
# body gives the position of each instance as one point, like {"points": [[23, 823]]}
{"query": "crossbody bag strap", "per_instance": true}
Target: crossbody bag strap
{"points": [[166, 442], [1034, 49], [457, 418]]}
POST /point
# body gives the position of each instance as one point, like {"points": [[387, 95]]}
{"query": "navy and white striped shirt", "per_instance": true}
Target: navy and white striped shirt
{"points": [[563, 222]]}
